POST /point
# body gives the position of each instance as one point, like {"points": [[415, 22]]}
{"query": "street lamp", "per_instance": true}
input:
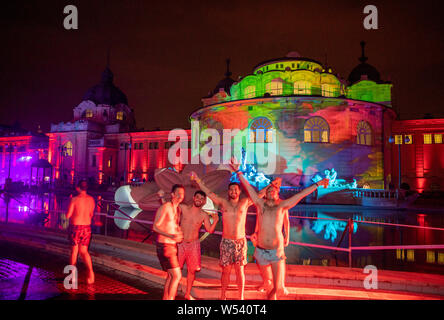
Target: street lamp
{"points": [[125, 146], [10, 147]]}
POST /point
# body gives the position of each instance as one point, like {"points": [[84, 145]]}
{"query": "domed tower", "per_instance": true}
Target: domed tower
{"points": [[364, 71], [365, 83], [106, 104], [222, 90]]}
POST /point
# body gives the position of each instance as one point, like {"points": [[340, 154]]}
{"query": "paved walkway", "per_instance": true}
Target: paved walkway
{"points": [[303, 282]]}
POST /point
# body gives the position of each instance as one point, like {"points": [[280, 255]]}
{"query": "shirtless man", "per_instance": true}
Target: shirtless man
{"points": [[80, 213], [191, 220], [270, 216], [166, 224], [233, 247], [265, 271]]}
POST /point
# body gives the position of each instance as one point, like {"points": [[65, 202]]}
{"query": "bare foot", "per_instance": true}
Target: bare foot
{"points": [[189, 297], [91, 278], [285, 291], [265, 288]]}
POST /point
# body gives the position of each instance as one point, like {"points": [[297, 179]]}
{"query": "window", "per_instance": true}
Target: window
{"points": [[408, 139], [316, 130], [1, 148], [327, 90], [21, 149], [256, 135], [274, 87], [89, 113], [302, 87], [438, 138], [94, 161], [119, 115], [427, 138], [141, 146], [430, 256], [250, 92], [110, 162], [398, 139], [67, 149], [153, 145], [364, 133]]}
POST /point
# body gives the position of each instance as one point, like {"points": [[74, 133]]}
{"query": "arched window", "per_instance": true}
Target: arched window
{"points": [[274, 87], [250, 92], [89, 113], [119, 115], [327, 90], [264, 124], [302, 87], [316, 130], [67, 149], [364, 133]]}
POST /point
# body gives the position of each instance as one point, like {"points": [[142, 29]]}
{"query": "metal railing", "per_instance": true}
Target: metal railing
{"points": [[348, 231]]}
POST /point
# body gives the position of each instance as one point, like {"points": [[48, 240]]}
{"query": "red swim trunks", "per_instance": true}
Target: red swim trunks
{"points": [[189, 252], [79, 235]]}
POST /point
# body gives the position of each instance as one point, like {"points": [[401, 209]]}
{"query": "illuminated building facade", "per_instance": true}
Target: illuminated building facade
{"points": [[319, 120], [102, 143], [316, 121]]}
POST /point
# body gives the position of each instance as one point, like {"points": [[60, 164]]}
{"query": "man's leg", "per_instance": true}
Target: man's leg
{"points": [[87, 260], [176, 275], [240, 278], [267, 277], [278, 270], [166, 287], [225, 280], [74, 254], [190, 280]]}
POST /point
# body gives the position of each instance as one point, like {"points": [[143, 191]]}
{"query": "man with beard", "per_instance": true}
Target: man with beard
{"points": [[166, 224], [269, 239], [192, 218], [233, 246]]}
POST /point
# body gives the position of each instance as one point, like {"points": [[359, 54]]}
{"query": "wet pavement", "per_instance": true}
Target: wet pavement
{"points": [[27, 274]]}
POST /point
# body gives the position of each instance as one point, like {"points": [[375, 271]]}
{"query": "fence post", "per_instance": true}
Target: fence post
{"points": [[350, 231], [106, 220]]}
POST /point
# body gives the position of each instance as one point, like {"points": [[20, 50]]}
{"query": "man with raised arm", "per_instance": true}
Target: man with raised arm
{"points": [[233, 246], [270, 219], [166, 224], [191, 220]]}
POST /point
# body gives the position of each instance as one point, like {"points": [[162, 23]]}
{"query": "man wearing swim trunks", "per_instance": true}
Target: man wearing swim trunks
{"points": [[269, 238], [191, 220], [233, 247], [80, 213], [166, 224]]}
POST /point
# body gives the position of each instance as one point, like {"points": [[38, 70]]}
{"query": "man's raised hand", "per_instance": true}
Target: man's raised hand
{"points": [[324, 182]]}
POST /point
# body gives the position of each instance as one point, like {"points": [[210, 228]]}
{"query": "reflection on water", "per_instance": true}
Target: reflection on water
{"points": [[48, 211]]}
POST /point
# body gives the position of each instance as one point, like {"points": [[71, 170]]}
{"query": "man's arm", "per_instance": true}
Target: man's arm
{"points": [[286, 229], [70, 209], [207, 223], [250, 190], [294, 200], [214, 197]]}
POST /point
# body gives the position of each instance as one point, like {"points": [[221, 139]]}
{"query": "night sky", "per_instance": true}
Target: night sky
{"points": [[167, 55]]}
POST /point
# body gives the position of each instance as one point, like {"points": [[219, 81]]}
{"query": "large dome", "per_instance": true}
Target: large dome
{"points": [[106, 92]]}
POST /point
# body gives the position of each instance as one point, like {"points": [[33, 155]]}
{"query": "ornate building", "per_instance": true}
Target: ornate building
{"points": [[313, 120], [102, 143]]}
